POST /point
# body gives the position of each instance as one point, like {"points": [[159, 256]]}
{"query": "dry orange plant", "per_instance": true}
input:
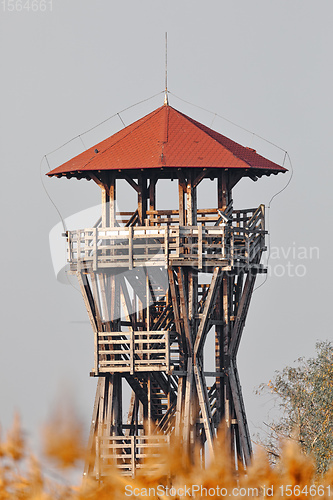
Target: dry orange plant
{"points": [[22, 476]]}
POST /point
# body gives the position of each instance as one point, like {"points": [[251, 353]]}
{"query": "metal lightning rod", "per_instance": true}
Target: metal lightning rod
{"points": [[166, 101]]}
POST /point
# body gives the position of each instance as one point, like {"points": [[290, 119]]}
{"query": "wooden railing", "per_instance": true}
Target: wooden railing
{"points": [[135, 351], [128, 453], [233, 243]]}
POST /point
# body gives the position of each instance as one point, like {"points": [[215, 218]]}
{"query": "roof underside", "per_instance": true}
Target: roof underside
{"points": [[166, 139]]}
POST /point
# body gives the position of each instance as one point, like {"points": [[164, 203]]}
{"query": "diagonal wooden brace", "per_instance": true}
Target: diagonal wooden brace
{"points": [[237, 397], [208, 307]]}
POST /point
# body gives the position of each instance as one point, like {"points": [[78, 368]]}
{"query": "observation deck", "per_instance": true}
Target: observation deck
{"points": [[227, 240]]}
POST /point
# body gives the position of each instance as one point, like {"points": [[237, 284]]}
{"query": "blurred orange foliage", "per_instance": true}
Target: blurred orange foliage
{"points": [[22, 476]]}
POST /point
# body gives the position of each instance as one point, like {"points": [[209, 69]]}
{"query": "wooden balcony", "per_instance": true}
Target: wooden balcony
{"points": [[131, 352], [128, 453], [230, 244]]}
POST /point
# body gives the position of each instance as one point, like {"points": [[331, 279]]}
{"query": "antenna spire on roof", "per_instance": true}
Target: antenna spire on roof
{"points": [[166, 100]]}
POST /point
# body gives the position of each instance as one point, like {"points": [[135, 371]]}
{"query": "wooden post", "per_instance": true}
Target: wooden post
{"points": [[142, 199], [152, 197], [112, 200], [181, 204], [130, 248], [200, 247], [105, 207]]}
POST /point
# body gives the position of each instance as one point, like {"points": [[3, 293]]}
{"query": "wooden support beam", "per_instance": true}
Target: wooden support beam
{"points": [[191, 196], [112, 200], [149, 394], [180, 399], [142, 199], [187, 404], [109, 402], [100, 182], [126, 303], [184, 310], [238, 292], [104, 302], [205, 408], [130, 248], [204, 173], [243, 308], [132, 183], [91, 458], [199, 247], [117, 416], [176, 312], [237, 397], [152, 197], [181, 197], [207, 311], [105, 207], [223, 191], [88, 298]]}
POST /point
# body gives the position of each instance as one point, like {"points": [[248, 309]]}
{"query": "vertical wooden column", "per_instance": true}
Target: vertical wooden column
{"points": [[152, 198], [223, 330], [149, 395], [223, 191], [112, 201], [105, 206], [142, 199], [192, 217], [181, 196], [191, 201], [117, 407], [192, 276], [219, 358]]}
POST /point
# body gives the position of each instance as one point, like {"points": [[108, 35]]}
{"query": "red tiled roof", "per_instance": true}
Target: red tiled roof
{"points": [[166, 138]]}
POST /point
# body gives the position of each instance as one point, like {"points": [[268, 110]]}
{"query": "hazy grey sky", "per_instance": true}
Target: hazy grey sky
{"points": [[264, 65]]}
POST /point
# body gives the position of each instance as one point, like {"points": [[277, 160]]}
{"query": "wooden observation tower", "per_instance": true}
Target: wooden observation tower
{"points": [[156, 283]]}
